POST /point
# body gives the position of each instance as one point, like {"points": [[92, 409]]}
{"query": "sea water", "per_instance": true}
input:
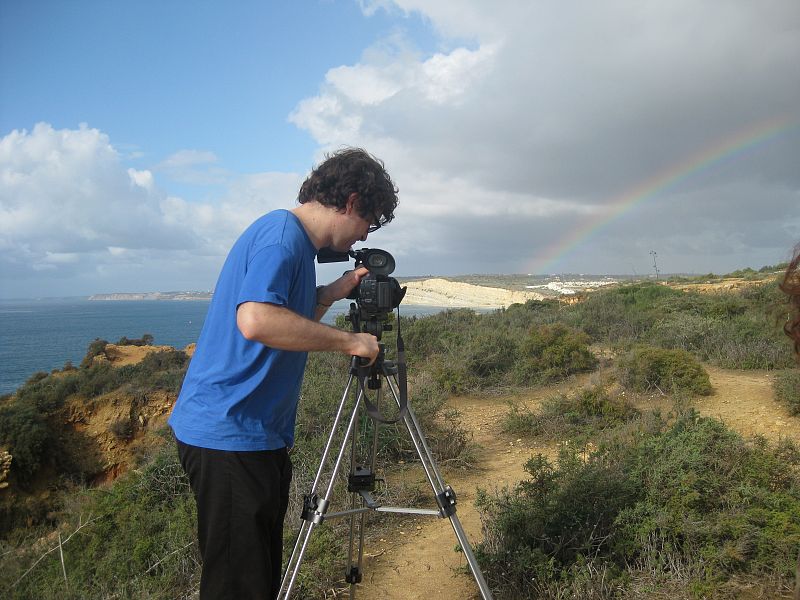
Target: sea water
{"points": [[42, 335]]}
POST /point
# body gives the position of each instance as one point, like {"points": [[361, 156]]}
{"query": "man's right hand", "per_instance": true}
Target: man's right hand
{"points": [[365, 345], [278, 327]]}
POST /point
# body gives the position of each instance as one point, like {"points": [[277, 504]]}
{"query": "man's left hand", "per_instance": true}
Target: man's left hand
{"points": [[342, 286]]}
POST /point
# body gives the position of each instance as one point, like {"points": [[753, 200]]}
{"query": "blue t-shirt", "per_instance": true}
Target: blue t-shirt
{"points": [[240, 394]]}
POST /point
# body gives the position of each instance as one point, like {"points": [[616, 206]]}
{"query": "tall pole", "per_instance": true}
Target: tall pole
{"points": [[655, 264]]}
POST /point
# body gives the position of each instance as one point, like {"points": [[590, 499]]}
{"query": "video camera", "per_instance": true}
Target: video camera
{"points": [[377, 294]]}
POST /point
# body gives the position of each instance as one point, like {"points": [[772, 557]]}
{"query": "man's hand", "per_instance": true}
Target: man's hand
{"points": [[342, 286], [365, 345], [281, 328]]}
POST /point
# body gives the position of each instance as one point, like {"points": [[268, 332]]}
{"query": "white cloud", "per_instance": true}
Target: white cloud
{"points": [[188, 158], [71, 210], [533, 117], [143, 179], [196, 167]]}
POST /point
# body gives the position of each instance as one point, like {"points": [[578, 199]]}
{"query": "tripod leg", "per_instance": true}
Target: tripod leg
{"points": [[352, 575], [314, 509], [355, 570], [444, 494]]}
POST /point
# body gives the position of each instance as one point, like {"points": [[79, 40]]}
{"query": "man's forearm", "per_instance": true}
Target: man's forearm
{"points": [[280, 328], [324, 302]]}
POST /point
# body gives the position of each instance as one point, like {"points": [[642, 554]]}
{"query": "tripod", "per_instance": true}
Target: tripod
{"points": [[361, 481]]}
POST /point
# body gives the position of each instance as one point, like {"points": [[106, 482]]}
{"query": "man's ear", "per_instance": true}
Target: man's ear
{"points": [[352, 203]]}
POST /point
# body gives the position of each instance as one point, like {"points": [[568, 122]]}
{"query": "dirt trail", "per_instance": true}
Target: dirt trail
{"points": [[419, 560], [420, 563]]}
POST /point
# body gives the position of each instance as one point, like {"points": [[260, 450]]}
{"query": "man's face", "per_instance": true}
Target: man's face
{"points": [[352, 227]]}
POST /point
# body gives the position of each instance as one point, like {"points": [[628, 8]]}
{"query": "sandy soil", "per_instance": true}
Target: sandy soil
{"points": [[119, 356], [418, 560], [440, 292]]}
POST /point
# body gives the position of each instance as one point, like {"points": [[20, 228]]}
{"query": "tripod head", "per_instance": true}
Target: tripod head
{"points": [[368, 321]]}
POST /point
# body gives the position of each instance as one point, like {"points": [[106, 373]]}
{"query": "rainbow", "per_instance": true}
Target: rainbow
{"points": [[722, 149]]}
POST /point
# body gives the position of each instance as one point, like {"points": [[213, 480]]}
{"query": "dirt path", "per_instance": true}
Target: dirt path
{"points": [[744, 401], [419, 561]]}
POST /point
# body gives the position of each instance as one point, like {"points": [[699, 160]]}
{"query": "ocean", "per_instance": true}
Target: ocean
{"points": [[41, 335]]}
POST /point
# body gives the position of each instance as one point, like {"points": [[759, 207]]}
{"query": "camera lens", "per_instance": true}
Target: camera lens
{"points": [[376, 260]]}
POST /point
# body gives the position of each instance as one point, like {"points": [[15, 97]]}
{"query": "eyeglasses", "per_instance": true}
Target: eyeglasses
{"points": [[377, 223]]}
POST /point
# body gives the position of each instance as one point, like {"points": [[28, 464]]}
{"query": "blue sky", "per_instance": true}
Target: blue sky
{"points": [[159, 77], [138, 139]]}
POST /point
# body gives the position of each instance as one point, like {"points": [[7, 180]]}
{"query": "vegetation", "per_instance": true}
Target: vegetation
{"points": [[787, 390], [145, 340], [27, 420], [689, 505], [134, 539], [634, 502], [645, 368], [583, 414], [470, 352], [737, 329]]}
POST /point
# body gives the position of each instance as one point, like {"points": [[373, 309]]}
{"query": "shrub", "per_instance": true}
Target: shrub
{"points": [[549, 353], [138, 541], [736, 329], [621, 314], [437, 334], [646, 368], [787, 390], [490, 353], [585, 413], [692, 493], [145, 340], [27, 425], [96, 348], [24, 431]]}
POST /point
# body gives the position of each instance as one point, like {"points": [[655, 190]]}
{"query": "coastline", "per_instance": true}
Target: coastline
{"points": [[455, 294], [426, 292]]}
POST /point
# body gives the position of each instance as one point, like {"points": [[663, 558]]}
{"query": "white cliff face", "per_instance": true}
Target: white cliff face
{"points": [[440, 292]]}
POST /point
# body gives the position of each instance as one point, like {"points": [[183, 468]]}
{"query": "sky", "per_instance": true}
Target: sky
{"points": [[139, 139]]}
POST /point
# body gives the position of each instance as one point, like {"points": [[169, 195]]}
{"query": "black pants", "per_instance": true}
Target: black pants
{"points": [[241, 502]]}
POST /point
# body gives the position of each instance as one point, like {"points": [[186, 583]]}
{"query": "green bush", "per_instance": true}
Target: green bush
{"points": [[24, 431], [96, 348], [489, 354], [29, 428], [436, 334], [621, 314], [787, 390], [736, 329], [549, 353], [692, 493], [145, 340], [137, 541], [646, 368], [584, 413], [520, 345]]}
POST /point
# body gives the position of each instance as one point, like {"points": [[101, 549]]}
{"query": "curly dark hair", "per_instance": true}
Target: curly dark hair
{"points": [[791, 287], [349, 171]]}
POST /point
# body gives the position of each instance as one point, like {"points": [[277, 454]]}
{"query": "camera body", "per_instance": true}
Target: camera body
{"points": [[377, 294]]}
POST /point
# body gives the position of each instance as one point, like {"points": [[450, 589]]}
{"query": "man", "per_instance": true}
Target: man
{"points": [[234, 418], [791, 287]]}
